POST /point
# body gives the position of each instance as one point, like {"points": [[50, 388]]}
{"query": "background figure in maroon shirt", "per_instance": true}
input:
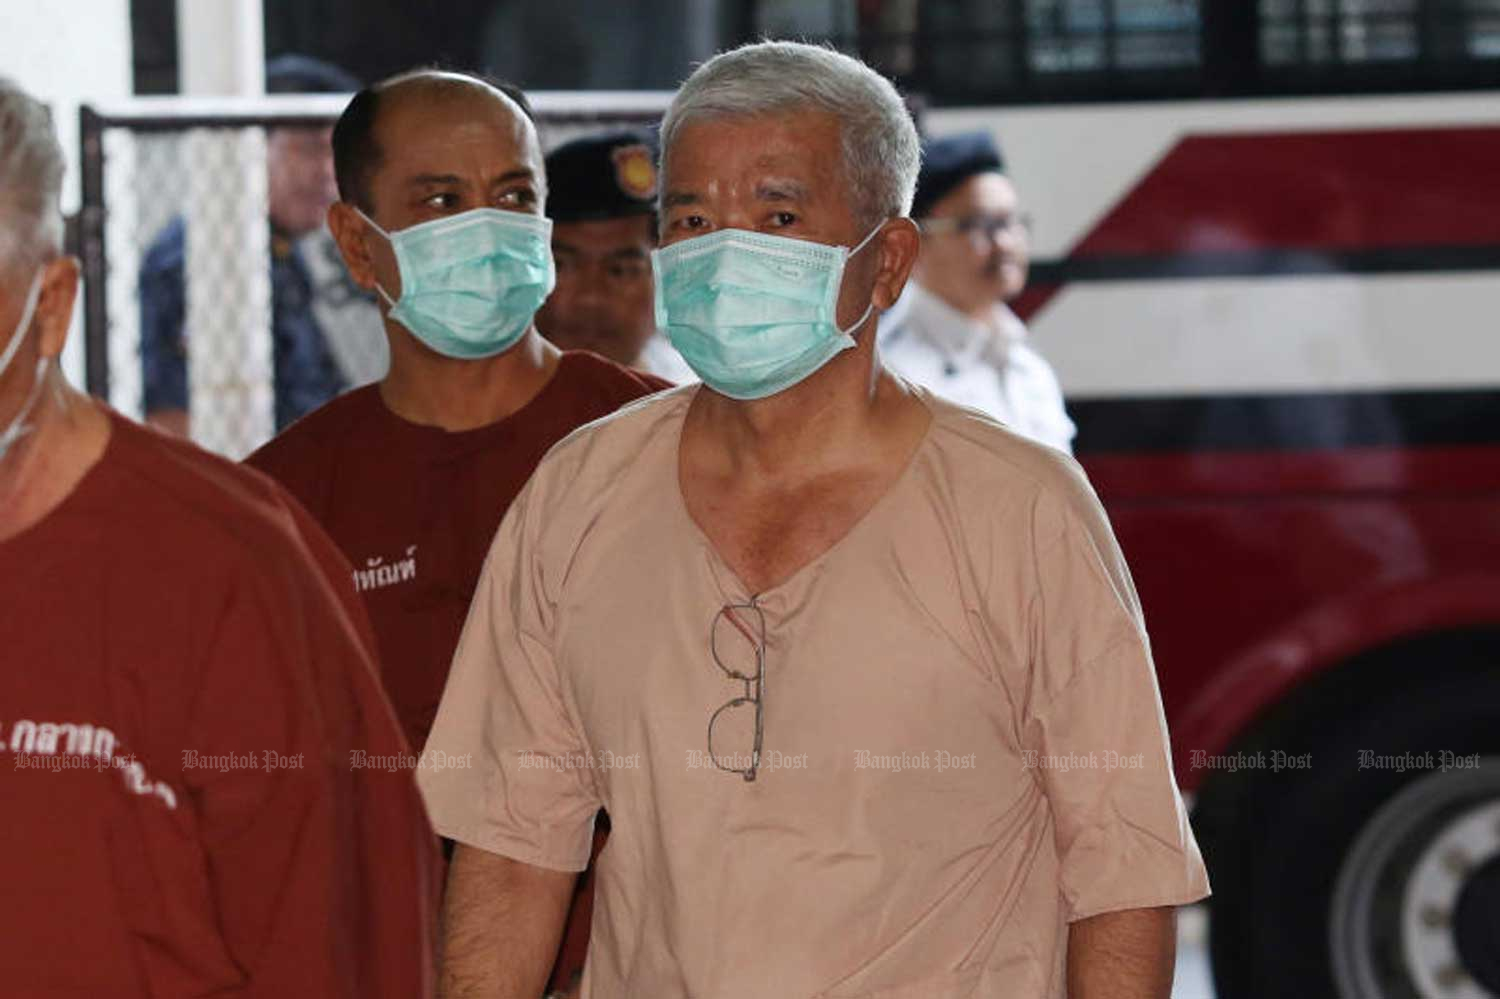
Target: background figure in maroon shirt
{"points": [[200, 773], [441, 187]]}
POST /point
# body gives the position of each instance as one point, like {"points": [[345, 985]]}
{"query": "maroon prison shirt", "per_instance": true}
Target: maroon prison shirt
{"points": [[415, 508], [187, 688]]}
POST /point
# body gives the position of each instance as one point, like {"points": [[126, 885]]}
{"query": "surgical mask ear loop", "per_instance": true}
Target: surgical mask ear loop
{"points": [[389, 301], [871, 235], [28, 313], [860, 321], [19, 428], [849, 331]]}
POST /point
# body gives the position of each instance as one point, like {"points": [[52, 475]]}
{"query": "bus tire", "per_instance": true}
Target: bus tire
{"points": [[1367, 866]]}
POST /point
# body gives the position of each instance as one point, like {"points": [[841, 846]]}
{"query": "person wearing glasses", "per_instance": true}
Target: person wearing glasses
{"points": [[952, 330], [858, 673]]}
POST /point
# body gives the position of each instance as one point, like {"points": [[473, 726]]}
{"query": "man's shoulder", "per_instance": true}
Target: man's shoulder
{"points": [[587, 372], [167, 251], [596, 455], [1029, 363], [629, 426], [304, 446], [206, 504], [1009, 492], [987, 455]]}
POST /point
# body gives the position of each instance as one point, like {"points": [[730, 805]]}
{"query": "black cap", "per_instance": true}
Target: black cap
{"points": [[602, 177], [948, 162], [300, 74]]}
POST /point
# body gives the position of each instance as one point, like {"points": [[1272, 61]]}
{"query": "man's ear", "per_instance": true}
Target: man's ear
{"points": [[54, 305], [899, 243], [352, 234]]}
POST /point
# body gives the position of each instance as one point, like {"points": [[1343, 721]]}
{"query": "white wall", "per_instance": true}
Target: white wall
{"points": [[68, 52], [221, 47]]}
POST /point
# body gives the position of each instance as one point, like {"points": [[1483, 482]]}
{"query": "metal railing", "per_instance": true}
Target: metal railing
{"points": [[173, 222]]}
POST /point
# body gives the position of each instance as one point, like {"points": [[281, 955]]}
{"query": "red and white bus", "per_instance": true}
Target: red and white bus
{"points": [[1277, 324]]}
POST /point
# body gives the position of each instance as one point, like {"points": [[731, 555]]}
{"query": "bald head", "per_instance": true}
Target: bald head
{"points": [[422, 147], [375, 118]]}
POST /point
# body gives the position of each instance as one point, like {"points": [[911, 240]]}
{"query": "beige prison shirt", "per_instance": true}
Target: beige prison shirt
{"points": [[964, 747]]}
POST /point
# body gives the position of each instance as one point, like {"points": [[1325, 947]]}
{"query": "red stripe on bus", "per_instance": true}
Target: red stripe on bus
{"points": [[1328, 190], [1123, 478], [1337, 190]]}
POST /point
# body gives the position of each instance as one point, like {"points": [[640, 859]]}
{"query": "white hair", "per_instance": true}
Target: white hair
{"points": [[31, 173], [880, 145]]}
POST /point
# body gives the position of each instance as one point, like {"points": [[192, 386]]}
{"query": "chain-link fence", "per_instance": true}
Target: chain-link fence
{"points": [[199, 315]]}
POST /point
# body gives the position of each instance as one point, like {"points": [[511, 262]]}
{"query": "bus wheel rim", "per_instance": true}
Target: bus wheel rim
{"points": [[1428, 843]]}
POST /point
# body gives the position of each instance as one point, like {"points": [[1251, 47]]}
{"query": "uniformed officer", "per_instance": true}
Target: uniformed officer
{"points": [[952, 330], [325, 331], [602, 202]]}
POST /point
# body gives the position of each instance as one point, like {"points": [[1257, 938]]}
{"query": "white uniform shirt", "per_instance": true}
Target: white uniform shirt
{"points": [[349, 319], [986, 365]]}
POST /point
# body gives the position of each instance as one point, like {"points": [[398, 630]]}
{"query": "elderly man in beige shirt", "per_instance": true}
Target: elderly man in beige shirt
{"points": [[859, 675]]}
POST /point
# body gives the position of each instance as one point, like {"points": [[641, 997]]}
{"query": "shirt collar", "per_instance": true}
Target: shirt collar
{"points": [[959, 337]]}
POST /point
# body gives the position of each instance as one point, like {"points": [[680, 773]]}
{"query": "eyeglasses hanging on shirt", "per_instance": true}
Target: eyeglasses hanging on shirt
{"points": [[737, 643]]}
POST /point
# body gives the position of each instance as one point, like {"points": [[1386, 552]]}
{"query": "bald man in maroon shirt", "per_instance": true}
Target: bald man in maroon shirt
{"points": [[441, 184], [189, 709], [412, 475]]}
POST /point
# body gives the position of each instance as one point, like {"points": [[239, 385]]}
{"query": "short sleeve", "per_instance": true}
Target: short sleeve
{"points": [[324, 868], [1093, 726], [501, 767]]}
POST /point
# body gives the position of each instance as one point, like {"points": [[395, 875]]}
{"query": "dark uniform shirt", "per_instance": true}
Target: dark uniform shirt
{"points": [[306, 375]]}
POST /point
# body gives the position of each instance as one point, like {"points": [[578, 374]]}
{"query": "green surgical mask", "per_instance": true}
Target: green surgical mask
{"points": [[751, 313], [471, 282]]}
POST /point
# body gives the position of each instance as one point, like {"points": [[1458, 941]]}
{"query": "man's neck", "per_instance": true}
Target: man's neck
{"points": [[435, 391], [69, 437], [827, 422]]}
